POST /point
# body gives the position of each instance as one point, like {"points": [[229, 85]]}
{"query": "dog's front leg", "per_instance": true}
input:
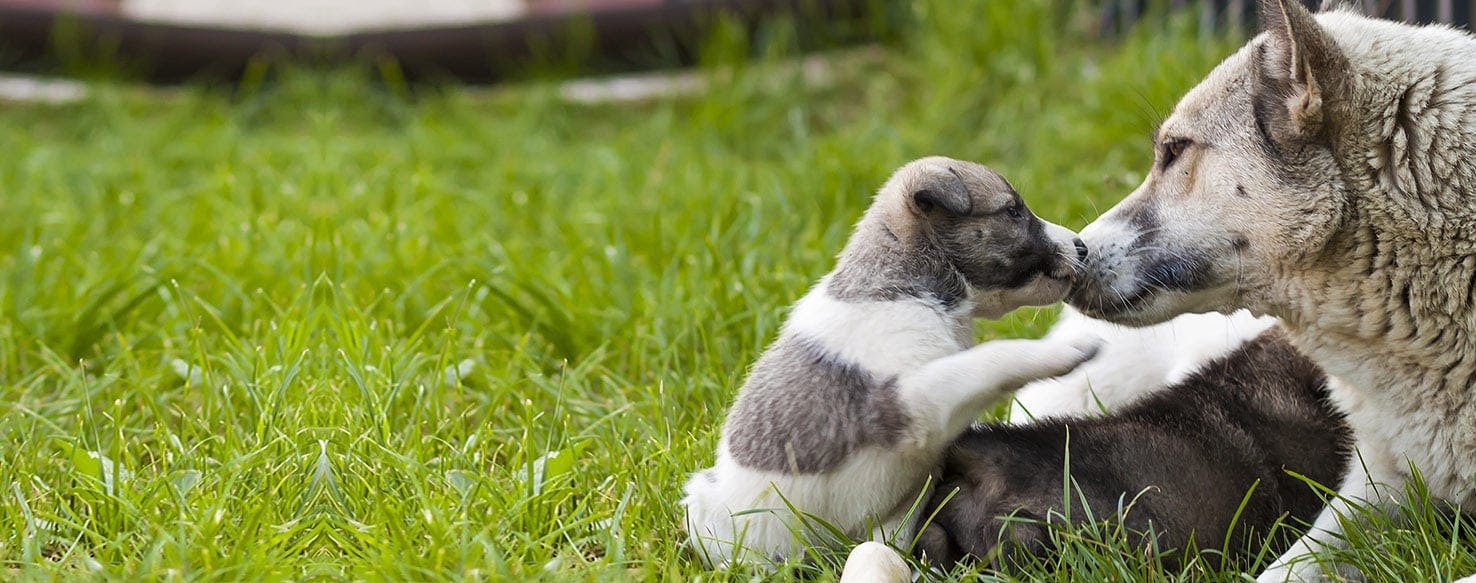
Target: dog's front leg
{"points": [[946, 395], [1374, 479]]}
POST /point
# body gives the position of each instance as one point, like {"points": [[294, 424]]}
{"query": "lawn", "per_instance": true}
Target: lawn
{"points": [[328, 325]]}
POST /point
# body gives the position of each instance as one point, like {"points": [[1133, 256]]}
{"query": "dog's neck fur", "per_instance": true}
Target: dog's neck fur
{"points": [[1398, 348], [1404, 144], [1407, 206], [1400, 324]]}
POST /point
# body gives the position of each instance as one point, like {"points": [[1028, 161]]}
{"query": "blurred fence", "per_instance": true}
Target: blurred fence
{"points": [[1118, 15]]}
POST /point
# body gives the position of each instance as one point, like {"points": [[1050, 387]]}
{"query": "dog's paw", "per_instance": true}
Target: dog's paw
{"points": [[1089, 346], [1016, 362], [1054, 358]]}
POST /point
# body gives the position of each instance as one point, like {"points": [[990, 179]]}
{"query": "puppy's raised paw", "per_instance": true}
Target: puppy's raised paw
{"points": [[1089, 346], [1053, 358]]}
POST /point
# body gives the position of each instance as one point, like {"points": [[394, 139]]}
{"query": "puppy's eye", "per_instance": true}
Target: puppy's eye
{"points": [[1015, 211], [1171, 151]]}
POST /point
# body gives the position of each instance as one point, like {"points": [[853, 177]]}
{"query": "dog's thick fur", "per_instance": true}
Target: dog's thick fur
{"points": [[1182, 465], [1324, 175], [848, 410]]}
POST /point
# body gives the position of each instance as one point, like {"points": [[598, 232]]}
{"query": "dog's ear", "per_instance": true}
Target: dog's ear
{"points": [[1297, 68], [1354, 6], [950, 201]]}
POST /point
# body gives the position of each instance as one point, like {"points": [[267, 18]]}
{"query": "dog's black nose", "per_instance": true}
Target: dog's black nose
{"points": [[1081, 250]]}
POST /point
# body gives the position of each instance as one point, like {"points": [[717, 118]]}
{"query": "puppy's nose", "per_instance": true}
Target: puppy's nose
{"points": [[1081, 250]]}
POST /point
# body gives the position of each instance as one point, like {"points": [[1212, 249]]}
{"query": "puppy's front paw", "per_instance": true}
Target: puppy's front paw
{"points": [[1087, 347], [1053, 358], [1060, 357]]}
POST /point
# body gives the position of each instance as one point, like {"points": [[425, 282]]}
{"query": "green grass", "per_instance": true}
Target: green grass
{"points": [[326, 326]]}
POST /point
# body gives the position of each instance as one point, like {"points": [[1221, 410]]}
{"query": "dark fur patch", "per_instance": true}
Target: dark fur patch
{"points": [[805, 411], [1193, 451], [1180, 272], [1404, 117], [1471, 293], [1016, 255], [1240, 191], [1268, 100], [1144, 218]]}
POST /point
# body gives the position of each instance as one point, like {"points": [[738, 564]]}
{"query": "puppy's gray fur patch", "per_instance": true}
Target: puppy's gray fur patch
{"points": [[838, 409]]}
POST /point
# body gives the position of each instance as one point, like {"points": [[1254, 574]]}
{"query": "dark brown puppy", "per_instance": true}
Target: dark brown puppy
{"points": [[1184, 459]]}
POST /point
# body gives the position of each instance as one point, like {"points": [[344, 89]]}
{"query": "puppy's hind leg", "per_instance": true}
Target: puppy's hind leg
{"points": [[946, 395]]}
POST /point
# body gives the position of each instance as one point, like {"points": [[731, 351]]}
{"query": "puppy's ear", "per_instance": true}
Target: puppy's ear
{"points": [[948, 201], [1297, 68]]}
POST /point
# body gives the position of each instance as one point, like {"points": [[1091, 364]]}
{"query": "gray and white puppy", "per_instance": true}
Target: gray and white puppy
{"points": [[1181, 461], [872, 376]]}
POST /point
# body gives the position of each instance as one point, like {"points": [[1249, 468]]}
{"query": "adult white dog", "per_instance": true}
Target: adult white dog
{"points": [[1324, 175]]}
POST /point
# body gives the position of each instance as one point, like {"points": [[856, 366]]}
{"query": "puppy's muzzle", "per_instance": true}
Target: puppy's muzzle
{"points": [[1071, 263]]}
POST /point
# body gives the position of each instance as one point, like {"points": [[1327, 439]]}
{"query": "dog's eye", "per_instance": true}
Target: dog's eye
{"points": [[1015, 211], [1172, 149]]}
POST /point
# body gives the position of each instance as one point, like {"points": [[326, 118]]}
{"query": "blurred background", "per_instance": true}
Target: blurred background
{"points": [[481, 40]]}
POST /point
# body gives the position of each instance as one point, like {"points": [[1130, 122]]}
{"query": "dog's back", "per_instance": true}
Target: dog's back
{"points": [[1180, 462]]}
